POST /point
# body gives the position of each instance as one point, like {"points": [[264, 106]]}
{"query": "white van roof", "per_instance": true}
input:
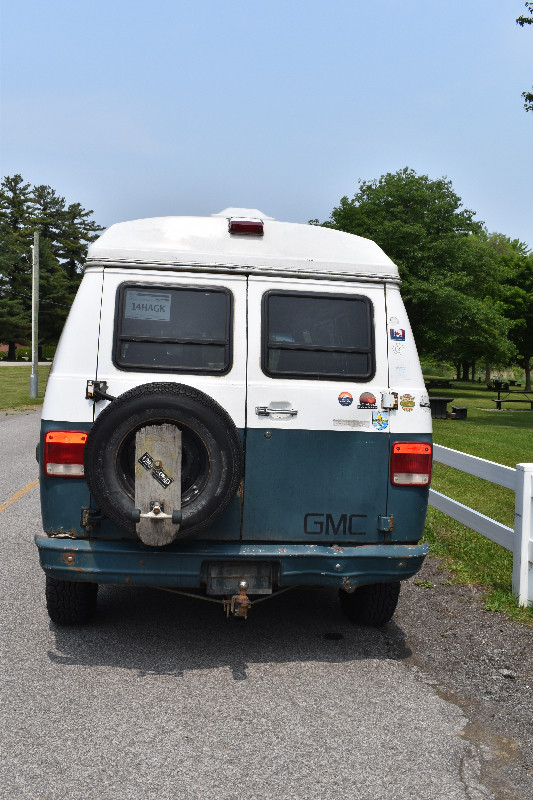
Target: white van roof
{"points": [[285, 248]]}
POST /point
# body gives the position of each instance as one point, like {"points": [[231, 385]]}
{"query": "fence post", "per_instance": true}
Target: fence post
{"points": [[523, 535]]}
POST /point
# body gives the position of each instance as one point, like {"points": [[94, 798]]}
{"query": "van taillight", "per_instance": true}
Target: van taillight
{"points": [[410, 464], [63, 453]]}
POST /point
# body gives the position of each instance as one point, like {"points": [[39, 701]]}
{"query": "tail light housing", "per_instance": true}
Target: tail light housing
{"points": [[63, 453], [411, 464], [246, 227]]}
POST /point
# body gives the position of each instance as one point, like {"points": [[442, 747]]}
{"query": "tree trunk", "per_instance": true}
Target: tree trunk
{"points": [[457, 366], [487, 371], [527, 370], [11, 351], [466, 370], [473, 371]]}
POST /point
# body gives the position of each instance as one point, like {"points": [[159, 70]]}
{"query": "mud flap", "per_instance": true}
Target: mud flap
{"points": [[158, 452]]}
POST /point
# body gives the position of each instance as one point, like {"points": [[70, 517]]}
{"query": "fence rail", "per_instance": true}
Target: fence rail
{"points": [[519, 540]]}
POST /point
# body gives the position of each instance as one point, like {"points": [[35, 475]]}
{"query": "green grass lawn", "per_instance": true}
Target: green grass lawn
{"points": [[505, 437], [15, 386]]}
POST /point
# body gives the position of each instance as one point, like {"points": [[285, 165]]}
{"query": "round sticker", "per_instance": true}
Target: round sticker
{"points": [[367, 400], [345, 399]]}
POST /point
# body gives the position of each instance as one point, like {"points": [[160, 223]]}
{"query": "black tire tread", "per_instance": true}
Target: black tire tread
{"points": [[372, 605], [70, 602]]}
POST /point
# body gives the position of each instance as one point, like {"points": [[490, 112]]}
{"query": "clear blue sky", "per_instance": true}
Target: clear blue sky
{"points": [[161, 107]]}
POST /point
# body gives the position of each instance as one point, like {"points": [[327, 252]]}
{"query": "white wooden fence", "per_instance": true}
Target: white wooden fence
{"points": [[520, 539]]}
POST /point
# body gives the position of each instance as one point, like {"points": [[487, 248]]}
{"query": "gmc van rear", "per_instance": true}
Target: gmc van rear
{"points": [[236, 407]]}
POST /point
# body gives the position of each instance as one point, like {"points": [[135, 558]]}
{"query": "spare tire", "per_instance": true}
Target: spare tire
{"points": [[212, 458]]}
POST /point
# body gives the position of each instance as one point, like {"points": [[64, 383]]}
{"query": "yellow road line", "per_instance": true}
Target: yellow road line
{"points": [[18, 495]]}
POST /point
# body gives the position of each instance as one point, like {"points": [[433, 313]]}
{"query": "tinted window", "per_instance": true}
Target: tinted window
{"points": [[184, 329], [317, 336]]}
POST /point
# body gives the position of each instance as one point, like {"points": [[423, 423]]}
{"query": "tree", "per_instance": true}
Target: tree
{"points": [[65, 232], [518, 303], [15, 255], [522, 20], [451, 276]]}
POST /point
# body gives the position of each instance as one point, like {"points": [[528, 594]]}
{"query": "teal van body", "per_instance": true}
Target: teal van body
{"points": [[282, 356]]}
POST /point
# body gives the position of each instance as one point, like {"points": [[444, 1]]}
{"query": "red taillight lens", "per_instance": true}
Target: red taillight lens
{"points": [[63, 453], [411, 464], [248, 227]]}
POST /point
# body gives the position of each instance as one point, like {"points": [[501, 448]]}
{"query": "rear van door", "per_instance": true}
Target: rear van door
{"points": [[317, 442], [160, 325]]}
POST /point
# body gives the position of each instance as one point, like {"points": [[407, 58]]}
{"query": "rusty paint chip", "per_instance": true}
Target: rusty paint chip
{"points": [[61, 534]]}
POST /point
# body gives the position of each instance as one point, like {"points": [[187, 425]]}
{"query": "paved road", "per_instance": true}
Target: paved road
{"points": [[164, 698]]}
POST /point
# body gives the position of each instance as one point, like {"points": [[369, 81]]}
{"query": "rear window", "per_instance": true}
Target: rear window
{"points": [[173, 329], [321, 336]]}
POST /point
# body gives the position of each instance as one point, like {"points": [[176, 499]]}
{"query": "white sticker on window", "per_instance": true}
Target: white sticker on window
{"points": [[147, 305]]}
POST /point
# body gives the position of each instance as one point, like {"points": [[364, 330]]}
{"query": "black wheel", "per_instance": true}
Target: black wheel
{"points": [[371, 605], [70, 602], [212, 458]]}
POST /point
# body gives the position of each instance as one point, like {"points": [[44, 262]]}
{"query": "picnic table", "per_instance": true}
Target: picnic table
{"points": [[498, 384], [438, 384], [438, 407], [527, 397]]}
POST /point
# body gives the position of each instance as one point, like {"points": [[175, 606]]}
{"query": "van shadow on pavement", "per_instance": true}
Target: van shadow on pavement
{"points": [[158, 633]]}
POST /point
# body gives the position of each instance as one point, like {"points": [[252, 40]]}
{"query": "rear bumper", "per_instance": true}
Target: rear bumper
{"points": [[184, 565]]}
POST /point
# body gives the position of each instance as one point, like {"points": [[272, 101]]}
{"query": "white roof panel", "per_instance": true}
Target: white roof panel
{"points": [[178, 242]]}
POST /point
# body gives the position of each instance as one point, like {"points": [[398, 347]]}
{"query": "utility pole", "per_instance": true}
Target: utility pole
{"points": [[34, 379]]}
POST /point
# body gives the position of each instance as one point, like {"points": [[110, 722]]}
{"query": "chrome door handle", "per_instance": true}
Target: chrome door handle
{"points": [[267, 411]]}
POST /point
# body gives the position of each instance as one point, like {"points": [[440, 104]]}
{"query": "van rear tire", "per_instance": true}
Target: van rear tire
{"points": [[70, 602], [372, 605]]}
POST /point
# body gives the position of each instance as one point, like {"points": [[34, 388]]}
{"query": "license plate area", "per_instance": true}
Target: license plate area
{"points": [[223, 577]]}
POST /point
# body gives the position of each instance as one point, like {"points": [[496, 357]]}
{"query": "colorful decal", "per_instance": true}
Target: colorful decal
{"points": [[397, 334], [380, 419], [407, 402], [367, 400], [345, 399]]}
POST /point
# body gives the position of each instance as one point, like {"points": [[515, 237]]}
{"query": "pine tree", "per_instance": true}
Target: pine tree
{"points": [[65, 232], [15, 262]]}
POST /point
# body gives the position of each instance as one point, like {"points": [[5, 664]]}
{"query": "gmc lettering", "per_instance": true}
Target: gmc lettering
{"points": [[325, 524]]}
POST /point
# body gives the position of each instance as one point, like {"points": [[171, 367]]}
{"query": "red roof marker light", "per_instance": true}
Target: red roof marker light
{"points": [[246, 227]]}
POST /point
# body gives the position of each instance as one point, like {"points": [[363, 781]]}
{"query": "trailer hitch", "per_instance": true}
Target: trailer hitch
{"points": [[239, 604]]}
